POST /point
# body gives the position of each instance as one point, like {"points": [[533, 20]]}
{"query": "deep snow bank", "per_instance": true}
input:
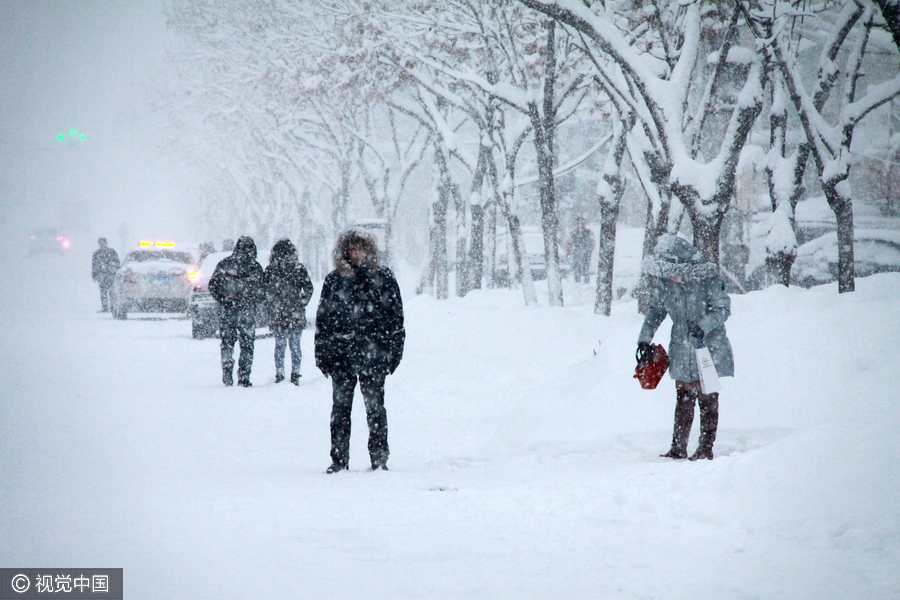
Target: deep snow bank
{"points": [[524, 465]]}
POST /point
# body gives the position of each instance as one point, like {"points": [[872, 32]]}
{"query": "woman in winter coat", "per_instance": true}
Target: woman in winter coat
{"points": [[359, 335], [690, 290], [288, 290]]}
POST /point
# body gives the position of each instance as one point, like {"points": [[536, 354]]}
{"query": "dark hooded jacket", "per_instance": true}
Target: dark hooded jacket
{"points": [[359, 322], [699, 300], [104, 264], [288, 288], [238, 283]]}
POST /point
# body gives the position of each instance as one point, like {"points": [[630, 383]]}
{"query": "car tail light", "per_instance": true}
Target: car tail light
{"points": [[198, 288], [66, 244], [59, 238]]}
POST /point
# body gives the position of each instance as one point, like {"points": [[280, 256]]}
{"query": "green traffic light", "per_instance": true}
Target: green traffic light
{"points": [[83, 137], [73, 132], [61, 137]]}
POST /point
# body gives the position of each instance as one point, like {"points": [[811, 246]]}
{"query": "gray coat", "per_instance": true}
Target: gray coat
{"points": [[700, 299]]}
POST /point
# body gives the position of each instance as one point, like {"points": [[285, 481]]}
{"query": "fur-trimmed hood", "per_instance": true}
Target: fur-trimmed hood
{"points": [[674, 256], [348, 239]]}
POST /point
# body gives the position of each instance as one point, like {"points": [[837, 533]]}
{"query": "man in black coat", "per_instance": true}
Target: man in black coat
{"points": [[359, 335], [581, 246], [104, 264], [288, 290], [237, 285]]}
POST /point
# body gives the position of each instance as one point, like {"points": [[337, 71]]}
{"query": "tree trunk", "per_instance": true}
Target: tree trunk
{"points": [[504, 194], [544, 142], [778, 266], [476, 251], [609, 216], [706, 234], [462, 242], [476, 254], [610, 195], [491, 239], [436, 275], [837, 194]]}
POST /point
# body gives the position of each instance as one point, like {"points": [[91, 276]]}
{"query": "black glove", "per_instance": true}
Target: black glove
{"points": [[696, 331], [644, 354]]}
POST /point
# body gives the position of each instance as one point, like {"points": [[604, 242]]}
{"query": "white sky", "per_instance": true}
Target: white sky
{"points": [[90, 65]]}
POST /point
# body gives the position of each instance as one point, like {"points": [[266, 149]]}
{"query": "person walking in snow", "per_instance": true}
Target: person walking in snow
{"points": [[104, 264], [237, 285], [359, 335], [579, 249], [691, 292], [288, 290]]}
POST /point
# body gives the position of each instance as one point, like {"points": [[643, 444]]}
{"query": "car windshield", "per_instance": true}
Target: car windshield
{"points": [[154, 255]]}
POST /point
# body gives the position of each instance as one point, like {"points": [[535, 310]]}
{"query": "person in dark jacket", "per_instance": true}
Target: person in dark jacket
{"points": [[237, 285], [104, 264], [359, 335], [691, 292], [288, 290], [580, 248]]}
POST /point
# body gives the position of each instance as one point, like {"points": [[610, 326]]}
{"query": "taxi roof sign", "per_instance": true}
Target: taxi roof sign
{"points": [[158, 244]]}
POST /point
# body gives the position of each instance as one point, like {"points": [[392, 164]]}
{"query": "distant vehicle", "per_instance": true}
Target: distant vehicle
{"points": [[874, 251], [204, 308], [533, 238], [49, 240], [157, 277]]}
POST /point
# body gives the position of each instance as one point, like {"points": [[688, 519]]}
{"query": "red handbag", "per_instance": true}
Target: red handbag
{"points": [[649, 373]]}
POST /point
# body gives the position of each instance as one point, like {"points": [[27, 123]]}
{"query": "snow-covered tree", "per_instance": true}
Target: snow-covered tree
{"points": [[829, 137]]}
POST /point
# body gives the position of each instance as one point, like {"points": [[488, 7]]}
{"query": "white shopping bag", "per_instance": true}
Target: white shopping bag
{"points": [[709, 378]]}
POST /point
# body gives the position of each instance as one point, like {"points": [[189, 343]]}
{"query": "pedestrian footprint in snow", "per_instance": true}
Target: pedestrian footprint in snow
{"points": [[690, 290], [237, 286], [288, 290], [359, 335]]}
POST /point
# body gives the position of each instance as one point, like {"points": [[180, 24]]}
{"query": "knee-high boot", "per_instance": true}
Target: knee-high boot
{"points": [[684, 418], [709, 423]]}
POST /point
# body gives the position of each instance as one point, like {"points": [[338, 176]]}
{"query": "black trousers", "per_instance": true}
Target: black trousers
{"points": [[371, 384], [105, 295], [233, 328]]}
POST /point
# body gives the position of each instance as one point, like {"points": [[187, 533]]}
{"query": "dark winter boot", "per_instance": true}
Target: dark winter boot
{"points": [[335, 467], [279, 378], [244, 383], [684, 418], [227, 378], [295, 378], [709, 423]]}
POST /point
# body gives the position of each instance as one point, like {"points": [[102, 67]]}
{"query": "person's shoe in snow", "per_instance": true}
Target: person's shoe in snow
{"points": [[675, 453], [379, 466], [279, 378], [295, 378], [335, 467], [701, 453], [227, 380], [245, 383]]}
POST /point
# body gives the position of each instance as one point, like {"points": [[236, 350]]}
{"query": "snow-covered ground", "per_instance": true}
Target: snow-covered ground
{"points": [[523, 464]]}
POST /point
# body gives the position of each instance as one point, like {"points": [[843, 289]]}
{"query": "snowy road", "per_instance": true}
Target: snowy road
{"points": [[522, 466]]}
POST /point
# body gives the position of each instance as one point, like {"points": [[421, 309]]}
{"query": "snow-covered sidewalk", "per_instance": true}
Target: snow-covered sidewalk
{"points": [[523, 464]]}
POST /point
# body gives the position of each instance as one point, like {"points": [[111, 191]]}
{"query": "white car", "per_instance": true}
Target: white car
{"points": [[157, 277]]}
